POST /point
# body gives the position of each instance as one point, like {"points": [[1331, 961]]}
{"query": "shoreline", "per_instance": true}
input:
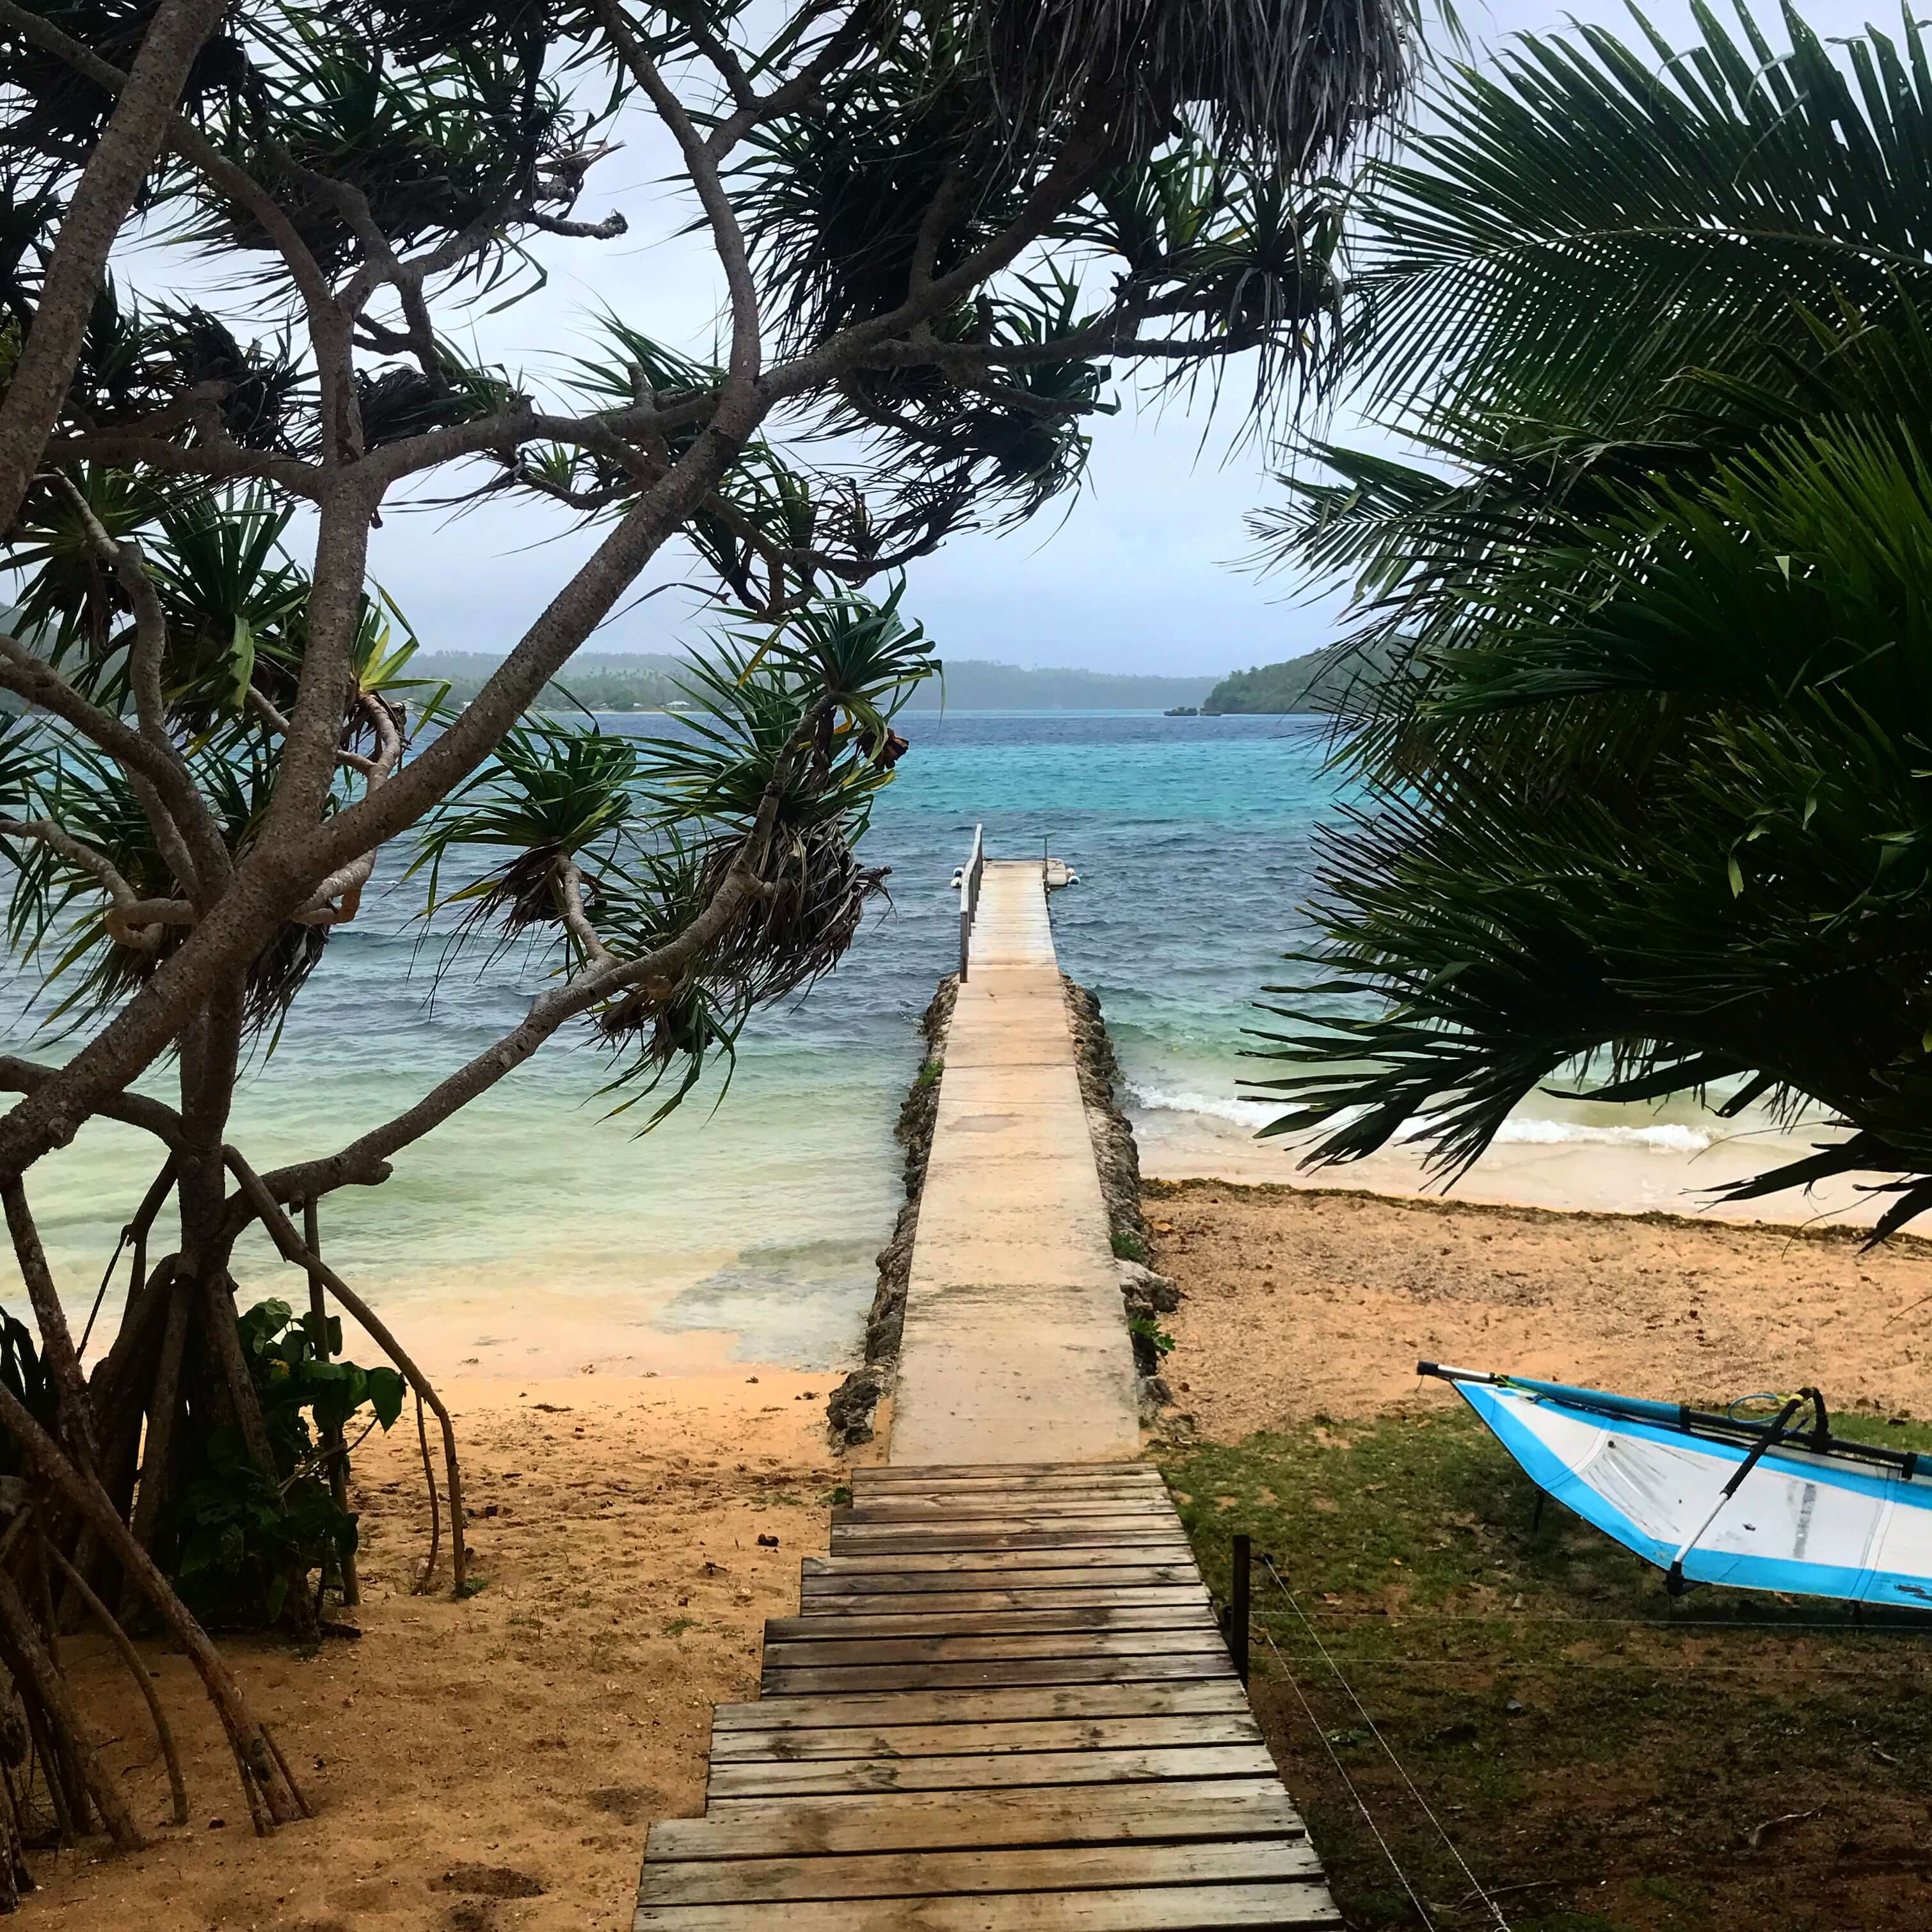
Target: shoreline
{"points": [[1165, 1186], [530, 1328], [1621, 1178], [1304, 1303]]}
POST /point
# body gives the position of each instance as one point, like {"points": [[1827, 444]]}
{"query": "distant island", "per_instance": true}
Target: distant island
{"points": [[614, 681], [1310, 683], [976, 684]]}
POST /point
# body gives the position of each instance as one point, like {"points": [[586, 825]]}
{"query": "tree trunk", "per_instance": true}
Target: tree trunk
{"points": [[338, 1449], [131, 1657], [273, 1797], [49, 1690]]}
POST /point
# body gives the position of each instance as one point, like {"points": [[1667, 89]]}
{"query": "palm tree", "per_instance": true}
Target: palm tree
{"points": [[1647, 764]]}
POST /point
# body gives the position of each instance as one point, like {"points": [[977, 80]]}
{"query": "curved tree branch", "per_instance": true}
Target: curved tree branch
{"points": [[140, 123]]}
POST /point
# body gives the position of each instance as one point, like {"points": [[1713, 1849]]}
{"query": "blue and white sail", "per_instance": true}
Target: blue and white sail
{"points": [[1715, 1498]]}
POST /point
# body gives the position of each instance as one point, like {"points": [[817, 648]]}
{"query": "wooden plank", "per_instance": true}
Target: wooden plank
{"points": [[923, 1874], [981, 1771], [918, 1483], [937, 1821], [951, 1509], [1143, 1495], [905, 1562], [1003, 1472], [918, 1604], [876, 1496], [832, 1680], [889, 1480], [1073, 1530], [862, 1651], [1064, 1571], [1285, 1907], [1021, 1703], [1205, 1730], [1192, 1613], [868, 1539]]}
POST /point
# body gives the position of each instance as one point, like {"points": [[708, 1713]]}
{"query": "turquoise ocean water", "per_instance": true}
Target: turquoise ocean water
{"points": [[535, 1221]]}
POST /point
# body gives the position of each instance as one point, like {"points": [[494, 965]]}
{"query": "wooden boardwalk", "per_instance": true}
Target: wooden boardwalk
{"points": [[1004, 1706]]}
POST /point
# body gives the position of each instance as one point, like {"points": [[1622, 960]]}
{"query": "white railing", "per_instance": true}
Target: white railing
{"points": [[970, 875]]}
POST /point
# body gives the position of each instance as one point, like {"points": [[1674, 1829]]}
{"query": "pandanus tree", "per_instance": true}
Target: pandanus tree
{"points": [[1647, 682], [944, 236]]}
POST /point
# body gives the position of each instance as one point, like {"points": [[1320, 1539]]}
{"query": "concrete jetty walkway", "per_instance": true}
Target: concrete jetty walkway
{"points": [[1005, 1704], [1016, 1348]]}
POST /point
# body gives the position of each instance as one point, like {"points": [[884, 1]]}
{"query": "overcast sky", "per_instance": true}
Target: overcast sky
{"points": [[1141, 573]]}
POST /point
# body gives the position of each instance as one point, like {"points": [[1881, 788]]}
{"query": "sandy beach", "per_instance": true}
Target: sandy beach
{"points": [[490, 1765], [1300, 1303]]}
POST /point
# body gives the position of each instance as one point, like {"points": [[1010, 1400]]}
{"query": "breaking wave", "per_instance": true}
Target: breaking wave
{"points": [[1660, 1137]]}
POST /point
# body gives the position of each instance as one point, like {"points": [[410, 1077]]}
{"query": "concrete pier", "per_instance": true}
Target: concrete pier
{"points": [[1005, 1704], [1016, 1348]]}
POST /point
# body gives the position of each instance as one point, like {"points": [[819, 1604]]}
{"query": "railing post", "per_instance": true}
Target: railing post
{"points": [[969, 897], [1237, 1605]]}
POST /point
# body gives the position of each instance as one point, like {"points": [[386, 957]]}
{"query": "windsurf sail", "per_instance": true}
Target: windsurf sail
{"points": [[1774, 1501]]}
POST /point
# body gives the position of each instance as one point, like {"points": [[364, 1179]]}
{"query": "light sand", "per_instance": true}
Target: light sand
{"points": [[1299, 1304], [1618, 1175], [534, 1730]]}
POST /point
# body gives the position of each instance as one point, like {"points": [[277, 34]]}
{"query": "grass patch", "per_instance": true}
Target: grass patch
{"points": [[1128, 1246], [1601, 1760]]}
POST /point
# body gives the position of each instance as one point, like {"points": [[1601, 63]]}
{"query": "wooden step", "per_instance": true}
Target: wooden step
{"points": [[859, 1600], [954, 1510], [1065, 1571], [921, 1874], [1145, 1732], [1024, 1703], [1283, 1908], [869, 1474], [997, 1644], [983, 1771], [834, 1680], [1173, 1559], [1109, 1489], [1018, 1533], [922, 1821], [1193, 1614]]}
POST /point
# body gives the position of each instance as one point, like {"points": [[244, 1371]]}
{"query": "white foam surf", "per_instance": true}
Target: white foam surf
{"points": [[1528, 1130]]}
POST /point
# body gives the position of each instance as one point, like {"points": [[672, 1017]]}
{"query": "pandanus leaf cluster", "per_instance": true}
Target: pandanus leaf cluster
{"points": [[612, 844], [1650, 806], [260, 268]]}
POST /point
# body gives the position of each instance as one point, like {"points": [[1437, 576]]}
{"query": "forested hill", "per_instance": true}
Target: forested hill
{"points": [[599, 681], [1310, 683], [613, 681], [976, 684]]}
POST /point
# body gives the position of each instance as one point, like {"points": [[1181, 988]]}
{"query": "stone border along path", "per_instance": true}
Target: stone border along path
{"points": [[1006, 1704]]}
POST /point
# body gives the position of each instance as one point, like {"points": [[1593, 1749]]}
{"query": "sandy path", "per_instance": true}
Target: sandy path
{"points": [[534, 1730], [1300, 1304]]}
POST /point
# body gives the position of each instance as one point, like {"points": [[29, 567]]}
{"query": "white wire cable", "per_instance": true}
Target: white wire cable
{"points": [[1342, 1772], [1475, 1883]]}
